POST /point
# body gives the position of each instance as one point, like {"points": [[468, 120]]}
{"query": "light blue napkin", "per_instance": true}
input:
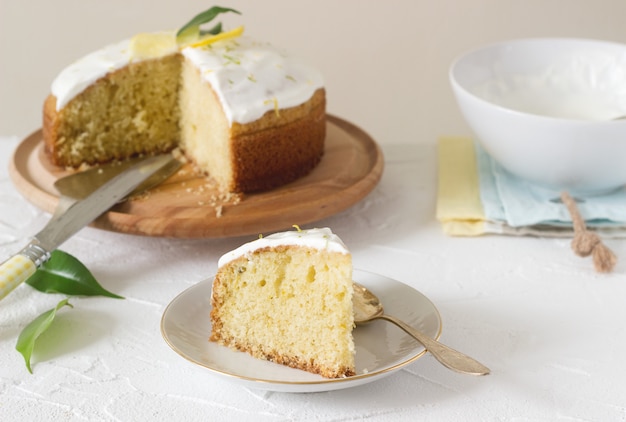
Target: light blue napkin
{"points": [[518, 202]]}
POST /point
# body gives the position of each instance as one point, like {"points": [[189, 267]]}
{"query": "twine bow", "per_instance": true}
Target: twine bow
{"points": [[587, 243]]}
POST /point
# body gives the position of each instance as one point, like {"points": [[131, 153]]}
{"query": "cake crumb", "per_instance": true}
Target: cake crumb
{"points": [[179, 155]]}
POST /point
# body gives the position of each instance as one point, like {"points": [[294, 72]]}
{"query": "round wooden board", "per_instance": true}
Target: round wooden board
{"points": [[188, 206]]}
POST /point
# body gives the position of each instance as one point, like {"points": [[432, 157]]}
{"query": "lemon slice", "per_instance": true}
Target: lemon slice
{"points": [[152, 45], [210, 39]]}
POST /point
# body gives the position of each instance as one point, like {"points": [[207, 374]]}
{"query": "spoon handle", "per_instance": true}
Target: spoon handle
{"points": [[449, 357]]}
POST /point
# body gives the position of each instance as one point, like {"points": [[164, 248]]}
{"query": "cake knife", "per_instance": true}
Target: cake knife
{"points": [[22, 265]]}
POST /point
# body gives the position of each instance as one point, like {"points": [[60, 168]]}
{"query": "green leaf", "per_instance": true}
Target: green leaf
{"points": [[213, 31], [63, 273], [192, 28], [30, 334]]}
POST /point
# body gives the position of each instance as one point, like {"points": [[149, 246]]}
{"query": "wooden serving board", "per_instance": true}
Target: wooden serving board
{"points": [[187, 205]]}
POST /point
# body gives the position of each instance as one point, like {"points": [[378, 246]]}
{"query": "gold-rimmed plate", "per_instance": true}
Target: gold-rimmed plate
{"points": [[381, 347]]}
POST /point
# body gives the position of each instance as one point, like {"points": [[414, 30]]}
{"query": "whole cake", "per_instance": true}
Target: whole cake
{"points": [[287, 298], [242, 111]]}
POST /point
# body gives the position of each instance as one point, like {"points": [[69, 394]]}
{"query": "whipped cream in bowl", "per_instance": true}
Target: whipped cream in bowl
{"points": [[545, 109]]}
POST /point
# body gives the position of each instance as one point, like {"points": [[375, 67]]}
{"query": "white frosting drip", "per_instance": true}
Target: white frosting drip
{"points": [[249, 78], [321, 239], [76, 77]]}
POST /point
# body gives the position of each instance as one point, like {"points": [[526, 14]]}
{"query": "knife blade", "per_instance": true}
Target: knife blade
{"points": [[80, 185], [22, 265]]}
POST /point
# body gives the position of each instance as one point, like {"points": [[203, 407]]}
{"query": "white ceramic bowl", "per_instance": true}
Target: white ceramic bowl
{"points": [[543, 109]]}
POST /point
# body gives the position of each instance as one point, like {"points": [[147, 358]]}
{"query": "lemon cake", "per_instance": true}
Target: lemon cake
{"points": [[287, 298], [244, 112]]}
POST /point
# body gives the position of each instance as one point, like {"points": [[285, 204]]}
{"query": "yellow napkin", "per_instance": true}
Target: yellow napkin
{"points": [[459, 208]]}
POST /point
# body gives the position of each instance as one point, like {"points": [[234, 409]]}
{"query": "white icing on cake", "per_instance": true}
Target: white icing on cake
{"points": [[250, 78], [75, 78], [321, 239]]}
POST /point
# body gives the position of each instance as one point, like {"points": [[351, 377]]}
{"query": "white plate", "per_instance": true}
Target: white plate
{"points": [[381, 347]]}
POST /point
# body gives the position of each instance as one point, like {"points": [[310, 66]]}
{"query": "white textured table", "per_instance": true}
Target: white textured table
{"points": [[552, 331]]}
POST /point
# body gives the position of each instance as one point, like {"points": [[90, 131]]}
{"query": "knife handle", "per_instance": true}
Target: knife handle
{"points": [[15, 270]]}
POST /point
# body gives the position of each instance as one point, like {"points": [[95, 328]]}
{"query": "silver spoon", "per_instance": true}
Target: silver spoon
{"points": [[367, 307]]}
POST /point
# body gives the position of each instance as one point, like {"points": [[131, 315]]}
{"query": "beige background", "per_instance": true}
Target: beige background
{"points": [[385, 62]]}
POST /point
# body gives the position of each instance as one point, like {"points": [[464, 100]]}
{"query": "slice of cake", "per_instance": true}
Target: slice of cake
{"points": [[244, 112], [287, 298]]}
